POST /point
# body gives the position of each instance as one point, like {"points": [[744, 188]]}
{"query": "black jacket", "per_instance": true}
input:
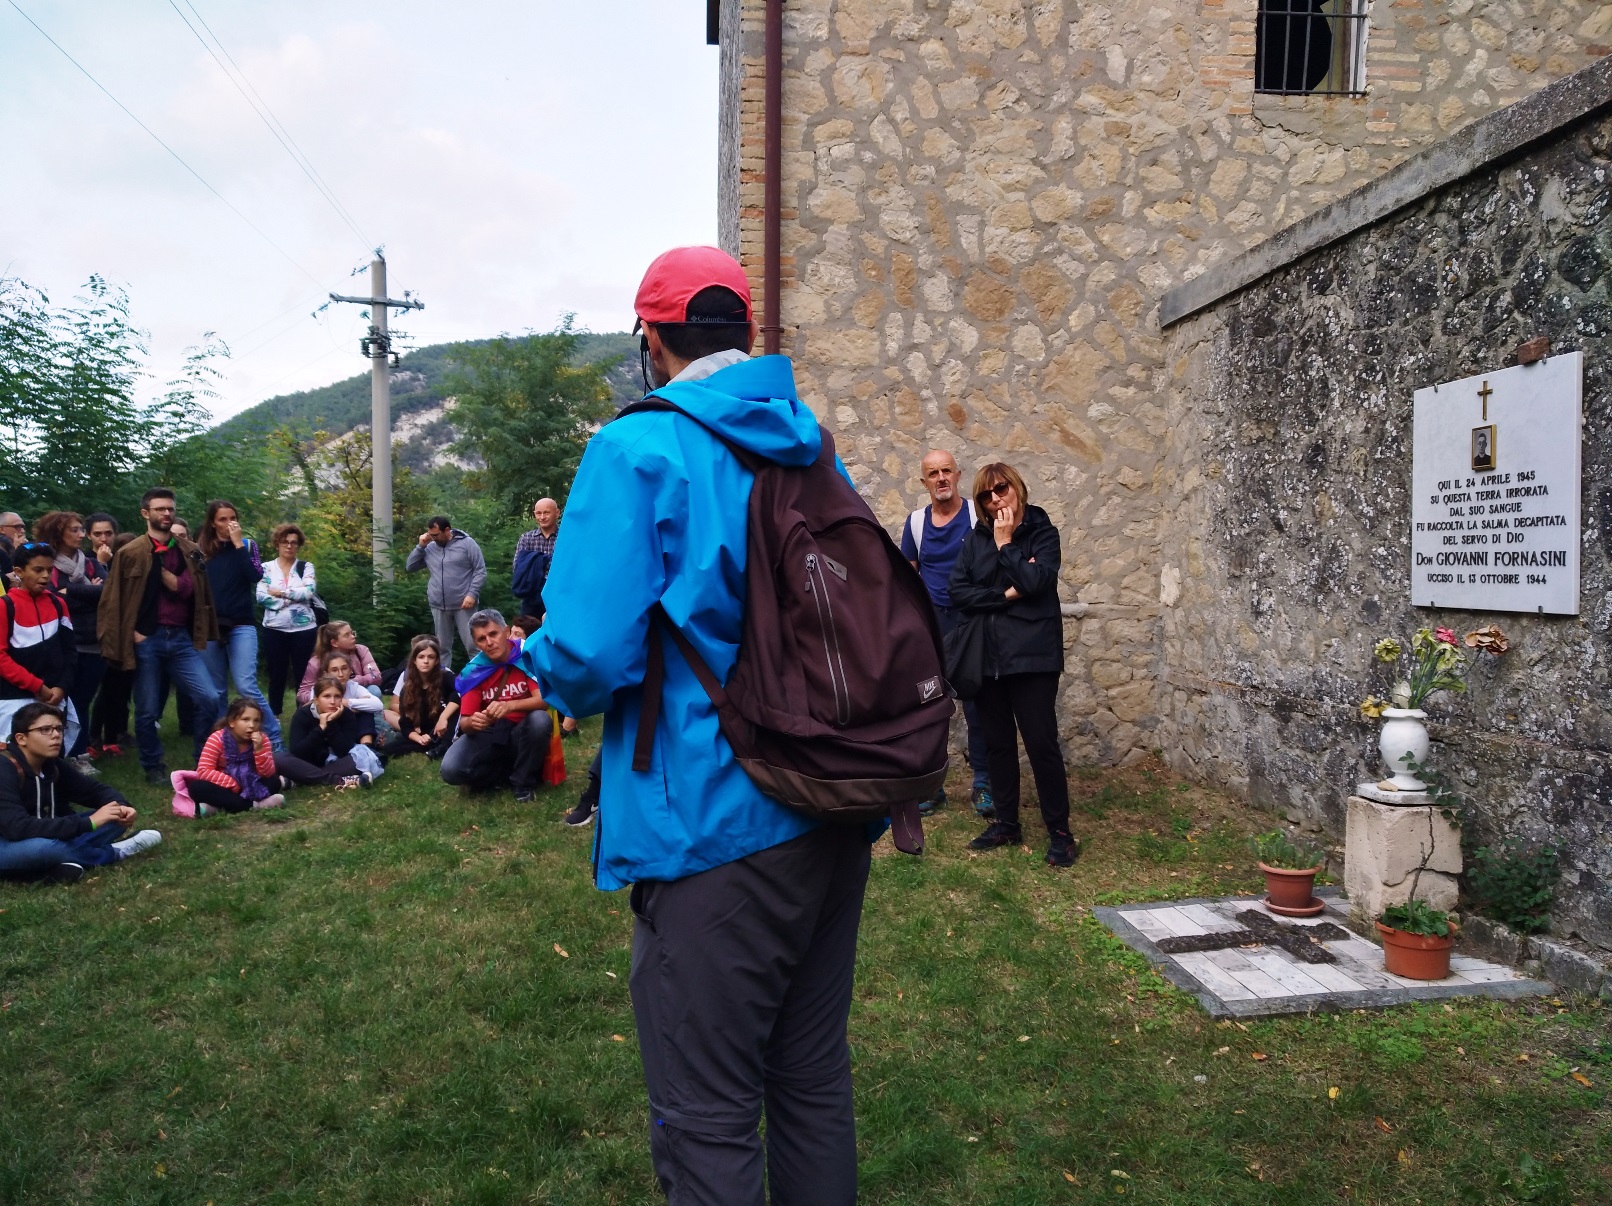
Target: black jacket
{"points": [[41, 806], [313, 744], [1024, 636], [82, 600]]}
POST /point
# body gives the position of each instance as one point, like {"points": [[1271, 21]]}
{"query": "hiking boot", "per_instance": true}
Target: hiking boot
{"points": [[996, 834], [524, 795], [143, 840], [935, 802], [582, 814], [1062, 851], [983, 804], [157, 776], [65, 873], [84, 765]]}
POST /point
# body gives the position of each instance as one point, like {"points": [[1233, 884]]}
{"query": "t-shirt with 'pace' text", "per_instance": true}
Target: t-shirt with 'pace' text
{"points": [[506, 684]]}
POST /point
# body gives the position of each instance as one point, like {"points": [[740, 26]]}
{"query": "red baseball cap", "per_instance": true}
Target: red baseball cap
{"points": [[677, 275]]}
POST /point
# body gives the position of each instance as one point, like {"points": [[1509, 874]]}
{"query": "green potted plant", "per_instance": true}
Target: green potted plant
{"points": [[1290, 870], [1416, 939]]}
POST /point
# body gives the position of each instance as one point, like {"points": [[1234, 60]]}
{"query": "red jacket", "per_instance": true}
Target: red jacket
{"points": [[36, 644]]}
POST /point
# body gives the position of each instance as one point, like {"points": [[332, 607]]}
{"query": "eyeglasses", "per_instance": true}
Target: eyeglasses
{"points": [[19, 525], [48, 730], [999, 490]]}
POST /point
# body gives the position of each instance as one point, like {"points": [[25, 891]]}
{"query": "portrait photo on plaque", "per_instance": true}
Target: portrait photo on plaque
{"points": [[1483, 449]]}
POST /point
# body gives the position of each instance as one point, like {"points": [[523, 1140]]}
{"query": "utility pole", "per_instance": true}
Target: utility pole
{"points": [[377, 345]]}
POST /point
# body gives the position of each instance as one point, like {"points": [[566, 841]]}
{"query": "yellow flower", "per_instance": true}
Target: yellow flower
{"points": [[1372, 707], [1388, 650]]}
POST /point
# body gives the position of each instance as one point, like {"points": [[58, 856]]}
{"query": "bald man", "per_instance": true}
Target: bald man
{"points": [[12, 533], [931, 539], [534, 553]]}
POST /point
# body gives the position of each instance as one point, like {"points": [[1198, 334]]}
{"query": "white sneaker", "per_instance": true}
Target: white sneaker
{"points": [[143, 840], [84, 765], [274, 801]]}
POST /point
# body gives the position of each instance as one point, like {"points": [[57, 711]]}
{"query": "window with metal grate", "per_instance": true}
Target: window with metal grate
{"points": [[1310, 47]]}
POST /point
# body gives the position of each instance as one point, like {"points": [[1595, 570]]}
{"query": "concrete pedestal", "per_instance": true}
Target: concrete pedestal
{"points": [[1385, 844]]}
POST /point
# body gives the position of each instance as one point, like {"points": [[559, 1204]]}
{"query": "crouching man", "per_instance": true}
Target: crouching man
{"points": [[504, 725], [40, 833]]}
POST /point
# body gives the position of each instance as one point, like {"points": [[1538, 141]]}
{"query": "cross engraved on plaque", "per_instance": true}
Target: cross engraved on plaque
{"points": [[1486, 393]]}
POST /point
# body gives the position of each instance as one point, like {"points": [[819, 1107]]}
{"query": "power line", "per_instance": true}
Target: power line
{"points": [[267, 117], [177, 157]]}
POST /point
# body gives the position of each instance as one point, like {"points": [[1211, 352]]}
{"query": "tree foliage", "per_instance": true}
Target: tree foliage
{"points": [[525, 411]]}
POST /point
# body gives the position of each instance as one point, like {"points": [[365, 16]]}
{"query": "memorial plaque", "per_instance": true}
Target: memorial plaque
{"points": [[1495, 489]]}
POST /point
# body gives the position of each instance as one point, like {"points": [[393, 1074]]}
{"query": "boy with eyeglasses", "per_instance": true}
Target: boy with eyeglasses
{"points": [[42, 835]]}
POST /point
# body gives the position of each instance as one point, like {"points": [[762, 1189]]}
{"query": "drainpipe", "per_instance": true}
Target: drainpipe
{"points": [[772, 202]]}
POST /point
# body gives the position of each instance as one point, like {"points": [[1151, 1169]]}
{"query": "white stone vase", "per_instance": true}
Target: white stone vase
{"points": [[1403, 733]]}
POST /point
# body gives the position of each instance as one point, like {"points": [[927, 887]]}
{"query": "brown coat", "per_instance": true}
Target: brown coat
{"points": [[126, 588]]}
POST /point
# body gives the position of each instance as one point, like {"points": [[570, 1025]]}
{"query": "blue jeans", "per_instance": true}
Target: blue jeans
{"points": [[234, 657], [32, 855], [170, 649], [978, 760]]}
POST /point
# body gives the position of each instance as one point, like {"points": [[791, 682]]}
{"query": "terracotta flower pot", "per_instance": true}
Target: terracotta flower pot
{"points": [[1416, 956], [1288, 889]]}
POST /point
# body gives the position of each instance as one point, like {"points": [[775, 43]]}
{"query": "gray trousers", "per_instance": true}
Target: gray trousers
{"points": [[741, 988], [506, 753], [446, 624]]}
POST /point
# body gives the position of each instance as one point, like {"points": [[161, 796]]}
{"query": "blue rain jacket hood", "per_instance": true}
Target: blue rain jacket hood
{"points": [[658, 513]]}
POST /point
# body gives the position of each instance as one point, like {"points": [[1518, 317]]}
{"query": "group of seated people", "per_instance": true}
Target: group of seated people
{"points": [[488, 726]]}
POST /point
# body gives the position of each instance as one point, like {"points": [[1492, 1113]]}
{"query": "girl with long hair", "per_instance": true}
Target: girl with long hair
{"points": [[339, 636], [234, 569], [426, 704]]}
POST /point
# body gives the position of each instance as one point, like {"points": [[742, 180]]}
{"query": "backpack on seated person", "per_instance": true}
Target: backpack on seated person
{"points": [[837, 705]]}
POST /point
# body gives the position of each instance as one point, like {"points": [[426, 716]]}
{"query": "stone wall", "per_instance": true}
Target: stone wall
{"points": [[983, 201], [1289, 405]]}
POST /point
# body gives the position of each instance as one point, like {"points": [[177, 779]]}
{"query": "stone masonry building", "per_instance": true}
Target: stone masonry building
{"points": [[984, 200]]}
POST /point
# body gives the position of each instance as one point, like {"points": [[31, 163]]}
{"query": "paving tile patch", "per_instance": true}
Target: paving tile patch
{"points": [[1283, 972]]}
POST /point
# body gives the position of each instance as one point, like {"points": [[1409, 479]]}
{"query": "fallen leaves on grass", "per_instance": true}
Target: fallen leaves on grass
{"points": [[1523, 1057], [616, 1038], [1070, 1177], [1332, 1093], [1259, 1057], [1404, 1156], [1383, 1126], [1583, 1080], [560, 951]]}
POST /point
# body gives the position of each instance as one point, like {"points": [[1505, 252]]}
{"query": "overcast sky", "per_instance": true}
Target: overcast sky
{"points": [[518, 160]]}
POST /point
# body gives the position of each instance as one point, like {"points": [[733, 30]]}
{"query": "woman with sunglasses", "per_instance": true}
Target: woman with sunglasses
{"points": [[1007, 575]]}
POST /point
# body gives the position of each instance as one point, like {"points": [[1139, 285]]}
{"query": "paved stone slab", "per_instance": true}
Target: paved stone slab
{"points": [[1262, 981]]}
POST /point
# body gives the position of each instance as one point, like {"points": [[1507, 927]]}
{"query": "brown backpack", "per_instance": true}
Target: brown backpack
{"points": [[838, 705]]}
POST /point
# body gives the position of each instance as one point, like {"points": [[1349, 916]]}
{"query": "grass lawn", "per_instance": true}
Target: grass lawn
{"points": [[405, 995]]}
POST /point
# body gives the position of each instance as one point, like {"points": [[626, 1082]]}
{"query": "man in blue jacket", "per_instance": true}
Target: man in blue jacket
{"points": [[746, 912]]}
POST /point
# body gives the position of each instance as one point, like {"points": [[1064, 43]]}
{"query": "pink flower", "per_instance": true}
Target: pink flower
{"points": [[1444, 636]]}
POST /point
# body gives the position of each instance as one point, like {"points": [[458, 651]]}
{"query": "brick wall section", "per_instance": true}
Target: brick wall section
{"points": [[984, 200]]}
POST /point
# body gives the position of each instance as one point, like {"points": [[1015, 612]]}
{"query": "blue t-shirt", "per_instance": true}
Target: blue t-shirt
{"points": [[942, 547]]}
